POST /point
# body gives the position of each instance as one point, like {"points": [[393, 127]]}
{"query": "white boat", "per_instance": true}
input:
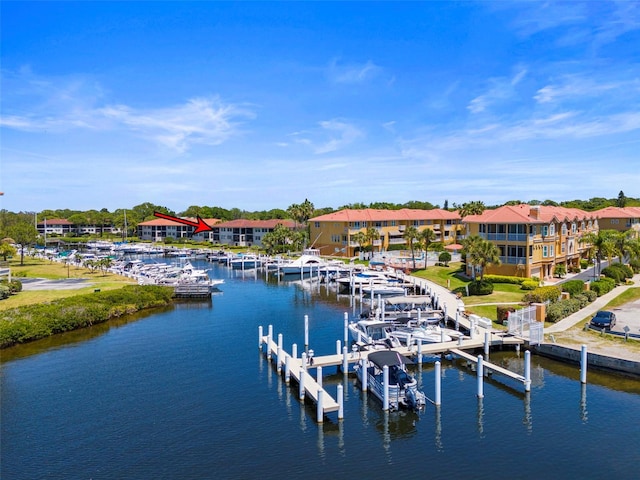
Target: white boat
{"points": [[361, 279], [409, 335], [304, 264], [369, 331], [244, 261], [402, 389], [391, 288]]}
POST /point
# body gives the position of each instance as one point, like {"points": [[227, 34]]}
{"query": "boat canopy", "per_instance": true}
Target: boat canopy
{"points": [[388, 358]]}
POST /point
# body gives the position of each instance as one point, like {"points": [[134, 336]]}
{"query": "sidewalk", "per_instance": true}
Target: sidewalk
{"points": [[592, 308]]}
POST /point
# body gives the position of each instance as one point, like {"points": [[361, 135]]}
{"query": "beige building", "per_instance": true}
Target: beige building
{"points": [[333, 233], [621, 219], [533, 239]]}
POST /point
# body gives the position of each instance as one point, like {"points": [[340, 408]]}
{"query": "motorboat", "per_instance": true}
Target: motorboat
{"points": [[304, 264], [362, 279], [402, 389], [244, 261], [391, 288]]}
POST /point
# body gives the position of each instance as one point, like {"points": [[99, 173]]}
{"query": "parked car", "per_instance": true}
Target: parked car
{"points": [[604, 319]]}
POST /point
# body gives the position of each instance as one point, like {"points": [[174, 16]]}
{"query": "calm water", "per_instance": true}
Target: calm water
{"points": [[185, 393]]}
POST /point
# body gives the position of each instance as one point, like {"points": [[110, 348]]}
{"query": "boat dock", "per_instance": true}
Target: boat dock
{"points": [[310, 387], [192, 290]]}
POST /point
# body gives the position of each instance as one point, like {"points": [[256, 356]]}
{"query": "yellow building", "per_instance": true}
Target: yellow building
{"points": [[533, 239], [621, 219], [333, 233]]}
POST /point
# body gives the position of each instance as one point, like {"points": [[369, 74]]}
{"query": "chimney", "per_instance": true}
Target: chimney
{"points": [[534, 212]]}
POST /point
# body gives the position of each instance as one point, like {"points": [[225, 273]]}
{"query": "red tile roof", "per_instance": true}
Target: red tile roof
{"points": [[54, 221], [618, 212], [524, 213], [159, 222], [244, 223], [373, 215]]}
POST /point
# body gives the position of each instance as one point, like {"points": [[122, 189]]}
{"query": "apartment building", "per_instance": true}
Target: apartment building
{"points": [[158, 229], [533, 239], [621, 219], [246, 233], [333, 233]]}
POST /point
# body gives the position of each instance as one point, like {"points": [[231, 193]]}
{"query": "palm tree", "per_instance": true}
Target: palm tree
{"points": [[484, 254], [426, 237], [472, 208], [372, 234], [622, 242], [469, 246], [360, 238], [410, 235], [602, 245]]}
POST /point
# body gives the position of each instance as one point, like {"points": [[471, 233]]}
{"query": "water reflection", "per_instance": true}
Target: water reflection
{"points": [[438, 429], [527, 419], [583, 403]]}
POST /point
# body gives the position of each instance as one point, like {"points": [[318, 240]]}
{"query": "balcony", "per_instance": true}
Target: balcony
{"points": [[508, 260]]}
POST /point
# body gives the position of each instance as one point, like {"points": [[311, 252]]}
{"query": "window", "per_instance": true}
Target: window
{"points": [[564, 229], [551, 251], [545, 231], [545, 251], [552, 229], [317, 224], [574, 228]]}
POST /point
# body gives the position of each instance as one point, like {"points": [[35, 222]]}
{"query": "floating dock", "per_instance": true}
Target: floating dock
{"points": [[190, 290]]}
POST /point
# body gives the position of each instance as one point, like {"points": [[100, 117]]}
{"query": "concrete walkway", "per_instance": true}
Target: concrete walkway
{"points": [[591, 309]]}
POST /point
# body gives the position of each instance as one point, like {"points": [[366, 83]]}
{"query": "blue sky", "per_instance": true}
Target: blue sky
{"points": [[261, 105]]}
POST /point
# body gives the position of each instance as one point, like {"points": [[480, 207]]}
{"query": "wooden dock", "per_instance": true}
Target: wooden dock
{"points": [[190, 290], [312, 389], [488, 365]]}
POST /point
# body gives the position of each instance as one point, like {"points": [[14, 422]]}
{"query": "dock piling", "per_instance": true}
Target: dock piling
{"points": [[480, 379], [583, 364], [260, 335], [385, 380], [340, 395], [527, 371], [438, 379]]}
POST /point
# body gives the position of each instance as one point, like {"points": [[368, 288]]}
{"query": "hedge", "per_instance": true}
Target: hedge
{"points": [[603, 286], [543, 294], [14, 286], [573, 287], [505, 279], [530, 285], [32, 322], [618, 272], [559, 310]]}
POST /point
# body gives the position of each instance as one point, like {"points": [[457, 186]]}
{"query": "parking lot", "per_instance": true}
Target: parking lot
{"points": [[628, 316]]}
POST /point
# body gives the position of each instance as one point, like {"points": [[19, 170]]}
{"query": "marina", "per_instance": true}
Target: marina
{"points": [[184, 390]]}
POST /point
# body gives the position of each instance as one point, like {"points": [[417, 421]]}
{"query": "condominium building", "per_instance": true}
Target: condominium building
{"points": [[246, 233], [158, 229], [532, 240], [333, 233], [621, 219]]}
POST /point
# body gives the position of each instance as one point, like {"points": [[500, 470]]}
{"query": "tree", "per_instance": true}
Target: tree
{"points": [[371, 235], [484, 254], [6, 249], [24, 234], [470, 245], [602, 245], [444, 257], [426, 237], [360, 238], [472, 208], [622, 200], [446, 205], [410, 235]]}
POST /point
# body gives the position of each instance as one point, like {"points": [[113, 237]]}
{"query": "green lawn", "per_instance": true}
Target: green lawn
{"points": [[453, 277]]}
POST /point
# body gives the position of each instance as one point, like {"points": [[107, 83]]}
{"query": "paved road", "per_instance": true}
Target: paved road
{"points": [[46, 284]]}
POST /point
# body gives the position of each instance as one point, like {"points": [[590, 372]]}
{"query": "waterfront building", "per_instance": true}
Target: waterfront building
{"points": [[159, 229], [55, 226], [333, 233], [534, 239], [621, 219], [246, 233]]}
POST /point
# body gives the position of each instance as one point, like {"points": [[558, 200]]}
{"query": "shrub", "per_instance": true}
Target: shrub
{"points": [[480, 287], [504, 279], [530, 285], [635, 265], [584, 264], [574, 269], [560, 270], [564, 308], [543, 294], [591, 295], [4, 292], [602, 286], [618, 272], [24, 324], [584, 301], [503, 311], [574, 287]]}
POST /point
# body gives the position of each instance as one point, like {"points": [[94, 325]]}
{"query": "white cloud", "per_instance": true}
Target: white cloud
{"points": [[352, 73], [62, 104], [339, 133], [501, 89]]}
